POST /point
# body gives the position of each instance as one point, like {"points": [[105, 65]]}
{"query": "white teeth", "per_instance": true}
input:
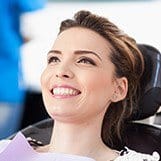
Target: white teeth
{"points": [[64, 91], [71, 91]]}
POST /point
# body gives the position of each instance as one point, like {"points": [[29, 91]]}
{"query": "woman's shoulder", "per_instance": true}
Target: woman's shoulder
{"points": [[131, 155]]}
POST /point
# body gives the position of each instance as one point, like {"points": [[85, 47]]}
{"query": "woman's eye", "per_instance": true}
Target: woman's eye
{"points": [[53, 59], [87, 61]]}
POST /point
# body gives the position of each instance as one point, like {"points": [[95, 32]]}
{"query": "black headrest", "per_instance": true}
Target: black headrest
{"points": [[150, 84]]}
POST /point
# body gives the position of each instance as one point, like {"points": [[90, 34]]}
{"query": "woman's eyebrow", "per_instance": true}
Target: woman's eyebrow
{"points": [[77, 52], [55, 51], [87, 52]]}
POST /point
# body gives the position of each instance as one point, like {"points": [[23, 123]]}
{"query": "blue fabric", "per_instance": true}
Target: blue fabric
{"points": [[10, 42], [10, 119]]}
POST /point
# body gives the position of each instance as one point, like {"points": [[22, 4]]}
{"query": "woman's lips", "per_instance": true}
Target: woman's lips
{"points": [[64, 91]]}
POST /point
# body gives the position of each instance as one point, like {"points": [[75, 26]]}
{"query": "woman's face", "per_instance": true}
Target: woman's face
{"points": [[78, 82]]}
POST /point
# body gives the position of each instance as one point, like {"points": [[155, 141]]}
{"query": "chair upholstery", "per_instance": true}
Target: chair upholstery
{"points": [[143, 138], [150, 83], [140, 137]]}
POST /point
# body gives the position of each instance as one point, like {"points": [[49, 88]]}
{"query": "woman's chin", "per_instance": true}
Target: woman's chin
{"points": [[61, 116]]}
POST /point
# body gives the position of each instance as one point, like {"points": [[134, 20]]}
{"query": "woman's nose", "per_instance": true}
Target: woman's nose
{"points": [[64, 73]]}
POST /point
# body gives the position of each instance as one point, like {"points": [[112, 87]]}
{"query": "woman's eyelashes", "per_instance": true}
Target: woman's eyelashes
{"points": [[82, 60], [53, 59], [85, 60]]}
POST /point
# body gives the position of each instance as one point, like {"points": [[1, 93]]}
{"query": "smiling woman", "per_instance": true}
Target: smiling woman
{"points": [[90, 87]]}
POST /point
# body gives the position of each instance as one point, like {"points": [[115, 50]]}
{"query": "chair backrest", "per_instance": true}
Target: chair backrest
{"points": [[150, 84], [141, 137], [137, 136]]}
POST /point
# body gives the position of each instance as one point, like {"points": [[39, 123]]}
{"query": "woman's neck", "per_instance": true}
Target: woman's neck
{"points": [[74, 139], [78, 139]]}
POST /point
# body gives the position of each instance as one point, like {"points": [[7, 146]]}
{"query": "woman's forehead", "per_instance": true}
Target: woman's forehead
{"points": [[82, 38]]}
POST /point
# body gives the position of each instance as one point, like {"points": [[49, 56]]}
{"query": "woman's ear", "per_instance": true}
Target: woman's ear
{"points": [[121, 89]]}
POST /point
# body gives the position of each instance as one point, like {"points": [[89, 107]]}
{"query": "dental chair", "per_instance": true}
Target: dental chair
{"points": [[138, 136]]}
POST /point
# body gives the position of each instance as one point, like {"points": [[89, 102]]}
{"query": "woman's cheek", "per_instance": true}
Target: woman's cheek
{"points": [[45, 77]]}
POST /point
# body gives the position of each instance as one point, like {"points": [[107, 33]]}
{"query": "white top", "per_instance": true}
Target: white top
{"points": [[20, 149]]}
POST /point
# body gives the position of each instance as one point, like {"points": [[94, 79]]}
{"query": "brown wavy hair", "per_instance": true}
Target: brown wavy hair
{"points": [[128, 62]]}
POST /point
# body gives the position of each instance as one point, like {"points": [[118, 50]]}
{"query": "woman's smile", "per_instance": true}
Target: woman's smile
{"points": [[64, 91]]}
